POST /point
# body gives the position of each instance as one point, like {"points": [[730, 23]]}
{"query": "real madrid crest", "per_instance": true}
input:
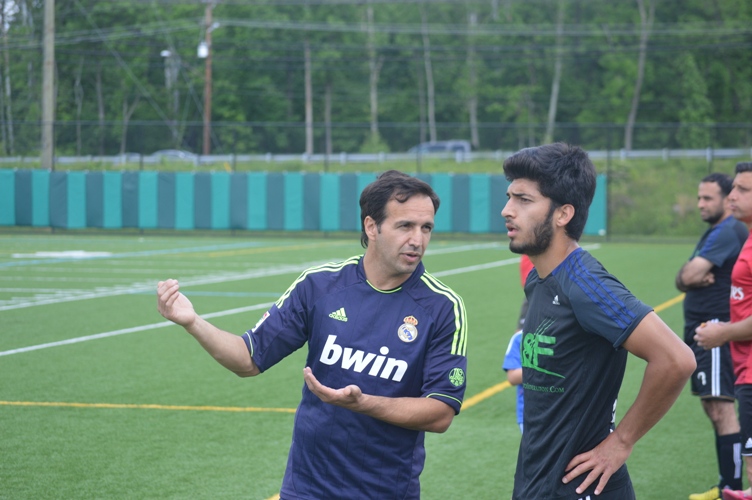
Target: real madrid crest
{"points": [[408, 331]]}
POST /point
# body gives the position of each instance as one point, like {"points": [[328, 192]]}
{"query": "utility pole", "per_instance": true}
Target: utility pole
{"points": [[48, 87], [208, 80]]}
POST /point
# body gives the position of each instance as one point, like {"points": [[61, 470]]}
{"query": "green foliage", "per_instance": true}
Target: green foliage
{"points": [[697, 73], [374, 144]]}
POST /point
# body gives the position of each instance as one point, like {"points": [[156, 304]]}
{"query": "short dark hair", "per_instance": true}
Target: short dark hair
{"points": [[564, 174], [391, 185], [744, 166], [724, 182]]}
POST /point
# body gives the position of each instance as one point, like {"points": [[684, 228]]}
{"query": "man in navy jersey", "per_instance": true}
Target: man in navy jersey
{"points": [[386, 352], [580, 325], [706, 280]]}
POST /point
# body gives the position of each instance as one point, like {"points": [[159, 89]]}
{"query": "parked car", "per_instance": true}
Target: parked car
{"points": [[452, 146]]}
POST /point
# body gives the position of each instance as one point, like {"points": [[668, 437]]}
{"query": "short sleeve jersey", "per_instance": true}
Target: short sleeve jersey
{"points": [[573, 366], [513, 361], [741, 308], [406, 342], [720, 245]]}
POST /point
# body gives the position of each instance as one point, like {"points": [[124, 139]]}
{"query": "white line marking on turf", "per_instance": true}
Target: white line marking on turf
{"points": [[135, 329], [228, 312]]}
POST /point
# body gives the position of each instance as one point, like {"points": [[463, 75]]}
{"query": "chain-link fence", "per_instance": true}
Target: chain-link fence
{"points": [[89, 138]]}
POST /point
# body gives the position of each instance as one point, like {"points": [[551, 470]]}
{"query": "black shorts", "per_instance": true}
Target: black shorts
{"points": [[744, 396], [714, 377]]}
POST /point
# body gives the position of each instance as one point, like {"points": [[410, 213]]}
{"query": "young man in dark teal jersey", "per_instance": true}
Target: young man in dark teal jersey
{"points": [[580, 324]]}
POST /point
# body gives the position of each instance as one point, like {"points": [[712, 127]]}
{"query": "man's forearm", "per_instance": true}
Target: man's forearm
{"points": [[660, 388], [228, 349]]}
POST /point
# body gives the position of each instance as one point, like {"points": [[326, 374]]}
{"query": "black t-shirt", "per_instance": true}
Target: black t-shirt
{"points": [[573, 367], [720, 245]]}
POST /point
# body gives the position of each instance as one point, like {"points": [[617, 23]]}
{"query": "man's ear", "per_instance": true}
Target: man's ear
{"points": [[371, 228], [564, 215]]}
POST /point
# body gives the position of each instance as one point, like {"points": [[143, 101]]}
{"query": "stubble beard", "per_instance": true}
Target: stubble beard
{"points": [[542, 235]]}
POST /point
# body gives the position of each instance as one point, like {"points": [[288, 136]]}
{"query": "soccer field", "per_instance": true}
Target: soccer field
{"points": [[101, 398]]}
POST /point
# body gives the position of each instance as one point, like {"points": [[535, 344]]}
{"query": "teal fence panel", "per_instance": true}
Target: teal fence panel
{"points": [[329, 208], [147, 199], [257, 201], [184, 201], [7, 198], [40, 198], [480, 200], [220, 197], [470, 203], [112, 203], [442, 185], [598, 214], [76, 200], [293, 207]]}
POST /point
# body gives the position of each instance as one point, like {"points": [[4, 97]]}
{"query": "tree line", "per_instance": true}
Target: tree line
{"points": [[293, 76]]}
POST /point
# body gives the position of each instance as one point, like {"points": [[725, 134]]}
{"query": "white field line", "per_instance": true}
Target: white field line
{"points": [[135, 329], [68, 295], [228, 312], [71, 296]]}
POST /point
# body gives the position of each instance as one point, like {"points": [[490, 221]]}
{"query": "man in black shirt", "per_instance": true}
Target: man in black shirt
{"points": [[580, 324]]}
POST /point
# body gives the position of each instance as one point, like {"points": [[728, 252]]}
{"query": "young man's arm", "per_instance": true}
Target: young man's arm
{"points": [[228, 349], [670, 362], [695, 274], [420, 414]]}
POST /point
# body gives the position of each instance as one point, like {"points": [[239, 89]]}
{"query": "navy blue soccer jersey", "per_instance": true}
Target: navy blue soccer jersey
{"points": [[720, 245], [407, 342], [572, 368]]}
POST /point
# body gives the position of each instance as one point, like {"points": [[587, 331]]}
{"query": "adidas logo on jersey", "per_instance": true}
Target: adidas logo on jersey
{"points": [[359, 361], [556, 301], [339, 314]]}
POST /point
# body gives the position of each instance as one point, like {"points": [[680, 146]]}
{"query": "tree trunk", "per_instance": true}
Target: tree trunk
{"points": [[472, 83], [430, 94], [8, 139], [328, 117], [375, 63], [646, 25], [308, 99], [556, 82], [100, 108], [78, 97], [127, 112], [421, 101]]}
